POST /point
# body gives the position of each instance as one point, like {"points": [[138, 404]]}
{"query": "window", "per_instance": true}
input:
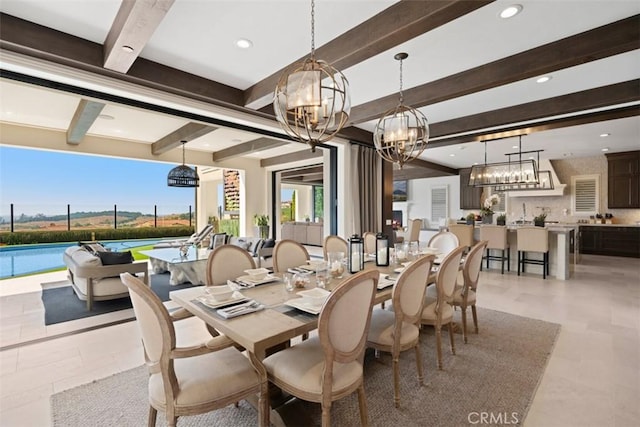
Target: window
{"points": [[502, 205], [439, 203], [585, 194]]}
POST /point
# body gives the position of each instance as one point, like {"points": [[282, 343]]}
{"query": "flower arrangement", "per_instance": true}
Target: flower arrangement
{"points": [[489, 203], [261, 220]]}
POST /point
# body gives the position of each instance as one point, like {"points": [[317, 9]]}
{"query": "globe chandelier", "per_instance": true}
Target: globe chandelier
{"points": [[311, 99], [402, 133]]}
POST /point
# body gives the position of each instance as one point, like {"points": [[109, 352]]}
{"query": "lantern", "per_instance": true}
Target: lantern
{"points": [[382, 250], [356, 254]]}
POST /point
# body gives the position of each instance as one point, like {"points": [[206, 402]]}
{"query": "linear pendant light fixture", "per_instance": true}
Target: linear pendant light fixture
{"points": [[183, 175], [311, 99], [402, 133], [504, 174]]}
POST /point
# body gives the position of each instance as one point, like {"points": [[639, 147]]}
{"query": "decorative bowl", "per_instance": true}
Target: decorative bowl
{"points": [[315, 296], [257, 274], [219, 293]]}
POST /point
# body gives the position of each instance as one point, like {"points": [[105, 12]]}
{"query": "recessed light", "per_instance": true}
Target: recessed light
{"points": [[604, 135], [244, 43], [514, 146], [605, 149], [475, 163], [452, 155], [543, 79], [531, 158], [511, 11], [236, 140], [127, 49], [106, 117]]}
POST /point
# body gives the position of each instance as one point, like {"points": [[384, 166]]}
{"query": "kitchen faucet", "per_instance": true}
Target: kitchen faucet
{"points": [[524, 212]]}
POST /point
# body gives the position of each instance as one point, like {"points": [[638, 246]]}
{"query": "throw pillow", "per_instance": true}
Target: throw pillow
{"points": [[255, 246], [113, 258], [268, 243], [93, 248], [241, 243]]}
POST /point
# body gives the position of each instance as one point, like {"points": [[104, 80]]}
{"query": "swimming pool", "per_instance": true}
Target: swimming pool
{"points": [[30, 259]]}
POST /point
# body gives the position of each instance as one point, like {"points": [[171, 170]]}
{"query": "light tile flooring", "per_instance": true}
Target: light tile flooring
{"points": [[593, 376]]}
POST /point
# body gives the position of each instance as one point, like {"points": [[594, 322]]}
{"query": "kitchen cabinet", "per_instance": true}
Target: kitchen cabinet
{"points": [[623, 172], [469, 196], [610, 240]]}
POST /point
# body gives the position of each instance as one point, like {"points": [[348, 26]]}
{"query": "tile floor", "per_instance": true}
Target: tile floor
{"points": [[593, 376]]}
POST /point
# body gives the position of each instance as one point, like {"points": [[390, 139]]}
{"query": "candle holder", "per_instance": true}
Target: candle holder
{"points": [[382, 250], [356, 254]]}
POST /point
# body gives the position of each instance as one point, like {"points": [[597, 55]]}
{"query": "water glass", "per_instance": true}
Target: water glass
{"points": [[287, 278], [322, 275], [336, 264]]}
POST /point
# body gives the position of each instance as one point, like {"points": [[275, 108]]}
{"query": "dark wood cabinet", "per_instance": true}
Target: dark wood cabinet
{"points": [[610, 240], [623, 172], [469, 196]]}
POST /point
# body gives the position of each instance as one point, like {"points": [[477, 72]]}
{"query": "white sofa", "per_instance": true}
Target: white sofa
{"points": [[93, 281]]}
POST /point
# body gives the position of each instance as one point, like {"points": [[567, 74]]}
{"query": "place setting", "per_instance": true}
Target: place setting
{"points": [[227, 301], [254, 277]]}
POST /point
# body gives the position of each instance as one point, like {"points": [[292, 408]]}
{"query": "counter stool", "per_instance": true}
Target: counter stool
{"points": [[464, 234], [533, 239], [496, 237]]}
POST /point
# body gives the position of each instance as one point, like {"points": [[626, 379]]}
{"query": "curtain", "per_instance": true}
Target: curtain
{"points": [[366, 181]]}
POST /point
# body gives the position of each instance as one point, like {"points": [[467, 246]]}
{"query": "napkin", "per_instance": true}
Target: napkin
{"points": [[240, 309]]}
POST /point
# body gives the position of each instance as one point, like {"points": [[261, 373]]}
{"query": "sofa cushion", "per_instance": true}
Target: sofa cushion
{"points": [[101, 287], [240, 242], [255, 245], [113, 258], [268, 243], [85, 259], [93, 248]]}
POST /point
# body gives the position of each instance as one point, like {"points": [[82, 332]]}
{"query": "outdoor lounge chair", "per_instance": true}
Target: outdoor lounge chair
{"points": [[195, 239]]}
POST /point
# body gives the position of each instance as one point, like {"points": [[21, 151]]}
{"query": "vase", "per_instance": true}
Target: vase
{"points": [[501, 222], [471, 222], [487, 219], [538, 223]]}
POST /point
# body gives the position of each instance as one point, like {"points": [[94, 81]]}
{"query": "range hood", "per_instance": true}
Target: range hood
{"points": [[558, 190]]}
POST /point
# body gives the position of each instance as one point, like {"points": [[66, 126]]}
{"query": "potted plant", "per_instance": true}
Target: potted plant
{"points": [[471, 218], [262, 222], [487, 208], [538, 221], [501, 219]]}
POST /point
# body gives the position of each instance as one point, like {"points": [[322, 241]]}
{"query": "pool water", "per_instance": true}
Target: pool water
{"points": [[30, 259]]}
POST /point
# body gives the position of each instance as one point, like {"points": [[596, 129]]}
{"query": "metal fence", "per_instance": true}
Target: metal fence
{"points": [[95, 217]]}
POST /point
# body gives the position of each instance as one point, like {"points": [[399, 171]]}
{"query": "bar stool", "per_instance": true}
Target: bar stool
{"points": [[533, 239], [464, 233], [496, 236]]}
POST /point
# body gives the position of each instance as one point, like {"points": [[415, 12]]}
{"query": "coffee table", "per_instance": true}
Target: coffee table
{"points": [[190, 268]]}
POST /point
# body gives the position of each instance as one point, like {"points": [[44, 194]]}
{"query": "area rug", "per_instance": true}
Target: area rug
{"points": [[496, 373], [62, 305]]}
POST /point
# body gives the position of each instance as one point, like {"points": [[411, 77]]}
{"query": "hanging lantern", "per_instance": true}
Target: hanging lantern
{"points": [[382, 250], [356, 254]]}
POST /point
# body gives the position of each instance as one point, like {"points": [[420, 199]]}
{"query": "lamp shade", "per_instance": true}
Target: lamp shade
{"points": [[504, 174], [183, 176]]}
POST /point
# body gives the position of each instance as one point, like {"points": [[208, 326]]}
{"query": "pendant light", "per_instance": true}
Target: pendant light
{"points": [[505, 174], [183, 175], [402, 133], [311, 99]]}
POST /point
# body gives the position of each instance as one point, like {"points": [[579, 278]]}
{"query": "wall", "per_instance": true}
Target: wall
{"points": [[418, 204]]}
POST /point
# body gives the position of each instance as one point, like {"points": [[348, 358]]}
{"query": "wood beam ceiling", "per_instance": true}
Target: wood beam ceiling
{"points": [[132, 28], [86, 113], [247, 148], [291, 157], [187, 133]]}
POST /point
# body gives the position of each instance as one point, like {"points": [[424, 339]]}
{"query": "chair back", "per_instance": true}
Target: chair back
{"points": [[334, 243], [218, 239], [227, 262], [201, 235], [409, 290], [413, 232], [445, 241], [288, 254], [447, 275], [156, 328], [464, 233], [369, 242], [344, 321], [495, 235], [471, 268], [534, 239]]}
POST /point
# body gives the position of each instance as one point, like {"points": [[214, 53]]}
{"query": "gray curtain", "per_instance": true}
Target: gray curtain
{"points": [[366, 189]]}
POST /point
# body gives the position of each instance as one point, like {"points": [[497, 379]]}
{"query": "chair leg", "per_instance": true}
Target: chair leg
{"points": [[362, 402], [419, 364], [464, 323], [396, 381], [508, 259], [502, 262], [452, 342], [488, 254], [326, 414], [153, 413], [475, 317], [439, 346], [518, 263]]}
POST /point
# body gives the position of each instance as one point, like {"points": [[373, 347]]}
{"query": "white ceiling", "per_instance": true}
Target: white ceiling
{"points": [[199, 37]]}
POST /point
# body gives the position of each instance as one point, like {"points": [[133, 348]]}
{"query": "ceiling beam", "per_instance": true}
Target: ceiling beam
{"points": [[86, 113], [608, 40], [291, 157], [416, 173], [132, 28], [397, 24], [302, 171], [248, 147], [424, 164], [187, 133], [539, 115]]}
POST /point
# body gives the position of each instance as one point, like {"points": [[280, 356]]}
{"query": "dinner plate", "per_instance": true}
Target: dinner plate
{"points": [[398, 270], [248, 279], [384, 281], [305, 305], [236, 297]]}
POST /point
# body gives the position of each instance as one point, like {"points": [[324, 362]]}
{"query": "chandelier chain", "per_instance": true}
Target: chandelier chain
{"points": [[401, 95], [313, 29]]}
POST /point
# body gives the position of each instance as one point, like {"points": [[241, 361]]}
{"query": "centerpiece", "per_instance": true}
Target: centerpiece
{"points": [[487, 208]]}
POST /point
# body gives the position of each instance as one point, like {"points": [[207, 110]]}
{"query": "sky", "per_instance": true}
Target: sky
{"points": [[38, 181]]}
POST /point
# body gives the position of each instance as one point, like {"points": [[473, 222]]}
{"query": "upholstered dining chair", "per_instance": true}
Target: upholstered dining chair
{"points": [[445, 241], [227, 262], [369, 242], [464, 233], [333, 243], [190, 380], [328, 366], [288, 254], [399, 330], [439, 313], [465, 296]]}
